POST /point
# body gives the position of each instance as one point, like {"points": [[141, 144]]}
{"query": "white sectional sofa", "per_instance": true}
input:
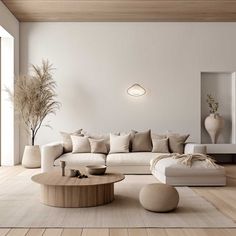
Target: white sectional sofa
{"points": [[127, 163]]}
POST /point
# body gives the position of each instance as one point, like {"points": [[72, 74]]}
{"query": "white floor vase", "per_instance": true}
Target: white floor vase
{"points": [[31, 157], [214, 124]]}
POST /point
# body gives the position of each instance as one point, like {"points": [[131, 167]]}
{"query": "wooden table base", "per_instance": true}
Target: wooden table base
{"points": [[77, 196]]}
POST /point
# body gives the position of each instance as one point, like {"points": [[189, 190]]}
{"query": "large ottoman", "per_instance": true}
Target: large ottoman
{"points": [[170, 171]]}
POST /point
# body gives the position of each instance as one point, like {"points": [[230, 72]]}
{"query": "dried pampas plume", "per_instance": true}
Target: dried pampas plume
{"points": [[34, 97]]}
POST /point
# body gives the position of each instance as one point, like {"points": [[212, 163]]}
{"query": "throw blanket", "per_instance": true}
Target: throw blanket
{"points": [[186, 159]]}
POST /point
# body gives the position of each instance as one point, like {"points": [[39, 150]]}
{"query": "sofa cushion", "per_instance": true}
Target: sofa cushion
{"points": [[158, 136], [131, 133], [66, 139], [119, 143], [80, 144], [142, 142], [81, 159], [132, 158], [105, 136], [98, 146], [171, 167], [176, 142], [160, 145]]}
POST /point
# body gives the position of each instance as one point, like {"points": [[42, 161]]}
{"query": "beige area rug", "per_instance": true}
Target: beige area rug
{"points": [[20, 207]]}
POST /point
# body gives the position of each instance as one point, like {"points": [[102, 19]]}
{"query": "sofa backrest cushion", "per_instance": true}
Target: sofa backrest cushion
{"points": [[131, 133], [66, 140], [142, 142], [158, 136], [80, 144], [160, 145], [119, 143], [176, 142], [105, 136], [98, 146]]}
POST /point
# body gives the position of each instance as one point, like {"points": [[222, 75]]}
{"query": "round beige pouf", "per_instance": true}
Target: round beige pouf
{"points": [[159, 197]]}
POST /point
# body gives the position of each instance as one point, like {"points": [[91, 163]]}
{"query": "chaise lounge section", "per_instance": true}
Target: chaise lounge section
{"points": [[170, 171]]}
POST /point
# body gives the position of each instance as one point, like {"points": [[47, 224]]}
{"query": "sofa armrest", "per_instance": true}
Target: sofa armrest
{"points": [[191, 148], [50, 152]]}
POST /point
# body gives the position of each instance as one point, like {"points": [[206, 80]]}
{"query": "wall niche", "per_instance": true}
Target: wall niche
{"points": [[221, 85]]}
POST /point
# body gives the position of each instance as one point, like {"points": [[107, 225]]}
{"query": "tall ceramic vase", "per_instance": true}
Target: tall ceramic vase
{"points": [[214, 124], [31, 157]]}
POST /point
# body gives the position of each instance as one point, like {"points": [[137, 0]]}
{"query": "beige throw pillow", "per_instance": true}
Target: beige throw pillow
{"points": [[142, 142], [119, 143], [98, 146], [105, 136], [176, 142], [66, 139], [158, 136], [160, 145], [80, 144]]}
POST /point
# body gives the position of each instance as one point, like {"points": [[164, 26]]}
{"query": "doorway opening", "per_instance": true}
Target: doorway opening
{"points": [[7, 155]]}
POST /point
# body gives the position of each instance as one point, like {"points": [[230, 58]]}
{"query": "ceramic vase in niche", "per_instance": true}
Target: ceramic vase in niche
{"points": [[31, 157], [214, 124]]}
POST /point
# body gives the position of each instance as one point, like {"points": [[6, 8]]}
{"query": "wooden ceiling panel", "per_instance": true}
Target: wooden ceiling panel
{"points": [[123, 10]]}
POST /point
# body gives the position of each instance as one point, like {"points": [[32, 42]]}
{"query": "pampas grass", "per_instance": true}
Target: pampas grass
{"points": [[34, 97]]}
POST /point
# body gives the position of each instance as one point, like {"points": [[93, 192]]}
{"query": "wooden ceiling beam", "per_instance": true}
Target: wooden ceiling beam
{"points": [[123, 10]]}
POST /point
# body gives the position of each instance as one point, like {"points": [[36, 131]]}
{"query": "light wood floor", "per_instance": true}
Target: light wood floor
{"points": [[224, 198]]}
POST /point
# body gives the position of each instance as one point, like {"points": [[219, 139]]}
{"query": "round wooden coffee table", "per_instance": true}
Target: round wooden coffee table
{"points": [[64, 191]]}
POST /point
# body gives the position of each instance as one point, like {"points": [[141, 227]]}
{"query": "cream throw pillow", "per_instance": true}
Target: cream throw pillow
{"points": [[98, 146], [80, 144], [160, 145], [142, 142], [119, 143], [66, 139], [176, 142], [131, 133]]}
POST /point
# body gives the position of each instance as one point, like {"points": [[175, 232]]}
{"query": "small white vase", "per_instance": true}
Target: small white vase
{"points": [[31, 157], [214, 123]]}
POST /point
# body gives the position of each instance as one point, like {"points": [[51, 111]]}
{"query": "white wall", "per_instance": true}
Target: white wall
{"points": [[97, 62], [9, 32]]}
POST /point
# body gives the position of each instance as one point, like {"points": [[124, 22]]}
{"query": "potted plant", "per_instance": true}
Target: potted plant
{"points": [[214, 123], [34, 99]]}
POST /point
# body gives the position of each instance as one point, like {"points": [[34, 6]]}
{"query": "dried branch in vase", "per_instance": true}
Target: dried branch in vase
{"points": [[213, 105], [34, 97]]}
